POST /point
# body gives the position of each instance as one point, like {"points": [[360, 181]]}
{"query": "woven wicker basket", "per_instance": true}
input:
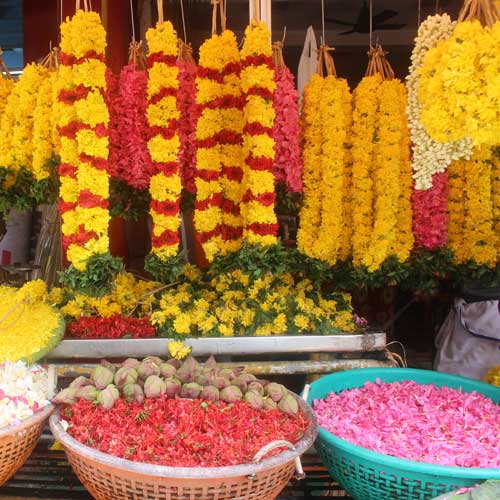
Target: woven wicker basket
{"points": [[17, 443], [110, 478]]}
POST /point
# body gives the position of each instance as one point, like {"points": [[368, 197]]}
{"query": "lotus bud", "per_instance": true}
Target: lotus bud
{"points": [[247, 377], [175, 363], [167, 370], [125, 375], [133, 392], [154, 359], [231, 394], [240, 383], [204, 379], [89, 393], [154, 387], [226, 373], [66, 396], [131, 363], [210, 393], [107, 397], [269, 404], [148, 368], [221, 382], [110, 366], [255, 400], [80, 382], [102, 377], [210, 363], [256, 387], [173, 387], [191, 390], [186, 373], [275, 391], [289, 405]]}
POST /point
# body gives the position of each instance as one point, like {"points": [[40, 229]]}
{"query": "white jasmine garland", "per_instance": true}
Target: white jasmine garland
{"points": [[23, 392], [429, 157]]}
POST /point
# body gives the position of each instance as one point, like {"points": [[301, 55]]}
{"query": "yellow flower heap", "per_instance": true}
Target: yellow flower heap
{"points": [[28, 321], [83, 127], [325, 226], [460, 83], [6, 87], [258, 85], [163, 145], [16, 133], [219, 152]]}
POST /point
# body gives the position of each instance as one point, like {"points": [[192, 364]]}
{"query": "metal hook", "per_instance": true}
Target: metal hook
{"points": [[284, 35]]}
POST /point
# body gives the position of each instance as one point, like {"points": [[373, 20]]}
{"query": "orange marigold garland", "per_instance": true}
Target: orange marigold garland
{"points": [[495, 195], [258, 85], [163, 117]]}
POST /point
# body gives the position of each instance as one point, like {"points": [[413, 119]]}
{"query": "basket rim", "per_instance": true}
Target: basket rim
{"points": [[405, 464], [35, 419], [190, 472]]}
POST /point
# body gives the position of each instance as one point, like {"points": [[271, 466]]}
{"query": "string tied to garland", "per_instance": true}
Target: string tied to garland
{"points": [[51, 60], [378, 63], [278, 60], [136, 55], [486, 12], [87, 5], [3, 67], [185, 52], [326, 65], [218, 8]]}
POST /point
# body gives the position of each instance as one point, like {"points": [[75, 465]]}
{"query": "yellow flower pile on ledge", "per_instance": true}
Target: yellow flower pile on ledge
{"points": [[28, 322]]}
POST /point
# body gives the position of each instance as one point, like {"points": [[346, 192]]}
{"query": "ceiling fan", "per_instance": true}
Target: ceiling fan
{"points": [[362, 23]]}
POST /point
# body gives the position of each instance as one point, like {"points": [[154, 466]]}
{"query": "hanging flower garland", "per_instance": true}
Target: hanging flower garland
{"points": [[495, 195], [219, 145], [430, 213], [163, 145], [459, 79], [186, 101], [6, 85], [288, 163], [429, 156], [456, 211], [258, 85], [363, 130]]}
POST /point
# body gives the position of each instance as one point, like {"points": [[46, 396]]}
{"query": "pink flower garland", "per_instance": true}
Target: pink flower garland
{"points": [[288, 163], [430, 213], [186, 102]]}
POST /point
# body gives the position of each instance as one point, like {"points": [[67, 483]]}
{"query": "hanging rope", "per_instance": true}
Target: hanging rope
{"points": [[323, 31], [437, 7], [78, 5], [184, 21], [378, 64], [159, 4], [484, 11], [371, 24], [136, 55], [3, 67], [132, 20], [278, 60], [185, 52], [255, 6], [325, 66], [218, 6], [419, 15]]}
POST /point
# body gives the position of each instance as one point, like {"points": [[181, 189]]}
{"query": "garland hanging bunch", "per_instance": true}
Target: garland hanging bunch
{"points": [[83, 127], [459, 79], [327, 117], [186, 102], [163, 121], [6, 84], [456, 211], [219, 143], [495, 194], [429, 156], [258, 85], [288, 164]]}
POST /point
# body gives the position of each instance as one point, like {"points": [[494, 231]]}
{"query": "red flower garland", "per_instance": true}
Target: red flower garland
{"points": [[113, 327], [430, 213], [288, 164]]}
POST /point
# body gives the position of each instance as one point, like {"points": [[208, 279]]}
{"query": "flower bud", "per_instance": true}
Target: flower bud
{"points": [[173, 387], [269, 404], [110, 366], [190, 390], [133, 392], [107, 397], [210, 393], [125, 375], [231, 394], [275, 391], [66, 396], [255, 400], [102, 377], [80, 382], [167, 370], [131, 363], [154, 387], [88, 392], [256, 387], [148, 368], [289, 405]]}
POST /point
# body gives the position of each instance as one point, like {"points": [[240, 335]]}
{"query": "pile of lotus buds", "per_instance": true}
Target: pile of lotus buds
{"points": [[153, 377]]}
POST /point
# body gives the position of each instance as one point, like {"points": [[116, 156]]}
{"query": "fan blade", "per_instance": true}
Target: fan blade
{"points": [[389, 27], [337, 21], [383, 16]]}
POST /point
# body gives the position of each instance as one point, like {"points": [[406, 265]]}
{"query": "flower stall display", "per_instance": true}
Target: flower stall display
{"points": [[458, 87], [29, 324], [288, 164], [327, 118], [24, 391], [181, 415], [419, 422]]}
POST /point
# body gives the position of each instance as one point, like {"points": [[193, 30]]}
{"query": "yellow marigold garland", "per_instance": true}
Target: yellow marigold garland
{"points": [[387, 157], [456, 210], [363, 131], [164, 145], [6, 87], [310, 214], [258, 85], [495, 196]]}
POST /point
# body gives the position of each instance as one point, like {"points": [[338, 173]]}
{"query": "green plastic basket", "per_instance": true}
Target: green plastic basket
{"points": [[368, 475]]}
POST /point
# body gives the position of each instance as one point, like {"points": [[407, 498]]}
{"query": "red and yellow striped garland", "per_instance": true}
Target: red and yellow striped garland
{"points": [[163, 145], [258, 85]]}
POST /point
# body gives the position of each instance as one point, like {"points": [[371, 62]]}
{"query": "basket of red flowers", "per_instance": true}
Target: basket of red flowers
{"points": [[158, 430]]}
